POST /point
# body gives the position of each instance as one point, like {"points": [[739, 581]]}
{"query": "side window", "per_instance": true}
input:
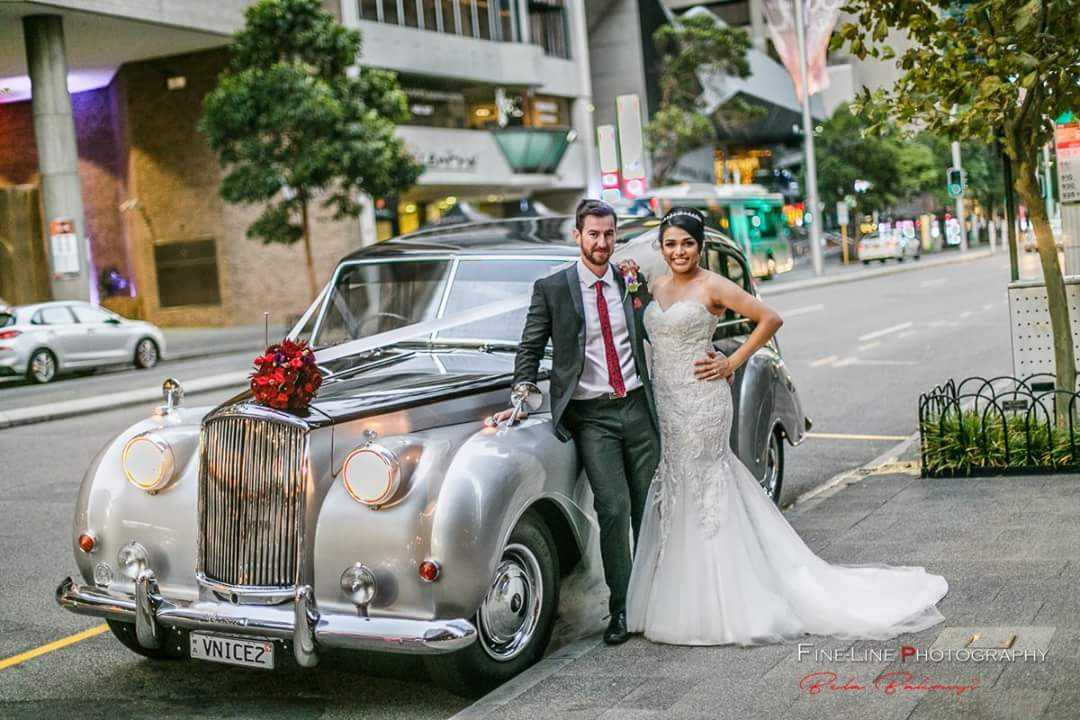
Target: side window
{"points": [[89, 315], [52, 316], [730, 265]]}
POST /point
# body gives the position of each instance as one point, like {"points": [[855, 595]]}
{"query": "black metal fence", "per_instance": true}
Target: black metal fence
{"points": [[996, 426]]}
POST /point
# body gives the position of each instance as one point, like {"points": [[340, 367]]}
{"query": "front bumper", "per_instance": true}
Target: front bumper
{"points": [[299, 622]]}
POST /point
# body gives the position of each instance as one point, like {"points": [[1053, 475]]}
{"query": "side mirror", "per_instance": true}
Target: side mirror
{"points": [[527, 395]]}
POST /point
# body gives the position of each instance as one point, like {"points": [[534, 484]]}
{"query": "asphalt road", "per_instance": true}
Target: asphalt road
{"points": [[860, 354]]}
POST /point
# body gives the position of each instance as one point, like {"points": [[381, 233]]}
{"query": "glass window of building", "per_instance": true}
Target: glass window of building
{"points": [[548, 111], [408, 12], [369, 10], [483, 15], [390, 12], [547, 26], [187, 273], [466, 10], [507, 21], [431, 14]]}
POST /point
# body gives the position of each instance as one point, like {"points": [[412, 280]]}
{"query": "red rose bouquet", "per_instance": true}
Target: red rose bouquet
{"points": [[286, 376]]}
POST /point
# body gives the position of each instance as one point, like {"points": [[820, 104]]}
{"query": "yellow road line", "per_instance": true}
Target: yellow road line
{"points": [[54, 645], [845, 436]]}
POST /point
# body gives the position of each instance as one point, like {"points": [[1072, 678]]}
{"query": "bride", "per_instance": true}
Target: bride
{"points": [[717, 563]]}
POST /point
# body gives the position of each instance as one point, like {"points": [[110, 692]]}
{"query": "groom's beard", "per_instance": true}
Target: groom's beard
{"points": [[598, 257]]}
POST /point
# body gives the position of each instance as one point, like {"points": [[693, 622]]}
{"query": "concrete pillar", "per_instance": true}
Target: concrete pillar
{"points": [[758, 29], [582, 115], [58, 154]]}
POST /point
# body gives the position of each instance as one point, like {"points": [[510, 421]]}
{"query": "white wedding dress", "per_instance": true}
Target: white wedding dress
{"points": [[717, 562]]}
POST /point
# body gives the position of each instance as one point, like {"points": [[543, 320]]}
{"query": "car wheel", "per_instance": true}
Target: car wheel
{"points": [[146, 354], [773, 479], [917, 257], [865, 262], [883, 260], [42, 366], [173, 646], [515, 618]]}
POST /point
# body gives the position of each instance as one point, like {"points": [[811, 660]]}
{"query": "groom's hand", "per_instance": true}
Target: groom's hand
{"points": [[502, 415], [714, 367]]}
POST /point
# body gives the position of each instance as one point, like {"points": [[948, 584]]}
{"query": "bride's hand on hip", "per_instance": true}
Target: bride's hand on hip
{"points": [[714, 367]]}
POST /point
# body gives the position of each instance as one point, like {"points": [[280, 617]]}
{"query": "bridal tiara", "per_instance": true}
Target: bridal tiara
{"points": [[683, 212]]}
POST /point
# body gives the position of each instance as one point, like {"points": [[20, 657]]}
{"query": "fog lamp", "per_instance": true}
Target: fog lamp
{"points": [[358, 582], [132, 559]]}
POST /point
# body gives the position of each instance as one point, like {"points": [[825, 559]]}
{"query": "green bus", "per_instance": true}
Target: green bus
{"points": [[749, 214]]}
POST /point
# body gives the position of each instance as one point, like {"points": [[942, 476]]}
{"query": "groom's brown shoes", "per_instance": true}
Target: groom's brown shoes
{"points": [[616, 633]]}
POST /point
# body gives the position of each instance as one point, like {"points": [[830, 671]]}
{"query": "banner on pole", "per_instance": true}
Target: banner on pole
{"points": [[820, 19], [1067, 145]]}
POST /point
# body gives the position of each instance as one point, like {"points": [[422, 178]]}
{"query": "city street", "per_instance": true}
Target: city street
{"points": [[860, 354]]}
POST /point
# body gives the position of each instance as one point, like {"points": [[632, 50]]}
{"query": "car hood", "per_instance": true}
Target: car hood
{"points": [[400, 379]]}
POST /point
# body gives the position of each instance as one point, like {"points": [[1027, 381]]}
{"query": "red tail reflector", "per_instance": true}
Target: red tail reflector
{"points": [[429, 571], [9, 334], [86, 543]]}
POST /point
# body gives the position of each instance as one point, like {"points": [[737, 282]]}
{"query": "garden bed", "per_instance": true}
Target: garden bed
{"points": [[998, 426]]}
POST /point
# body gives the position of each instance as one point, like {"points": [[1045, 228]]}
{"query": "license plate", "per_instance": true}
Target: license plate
{"points": [[233, 651]]}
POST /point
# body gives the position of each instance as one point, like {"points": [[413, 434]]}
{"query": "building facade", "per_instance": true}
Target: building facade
{"points": [[500, 119]]}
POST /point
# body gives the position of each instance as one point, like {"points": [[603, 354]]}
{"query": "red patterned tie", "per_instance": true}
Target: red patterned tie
{"points": [[613, 371]]}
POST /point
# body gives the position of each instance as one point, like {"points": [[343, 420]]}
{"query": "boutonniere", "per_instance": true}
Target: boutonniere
{"points": [[630, 270]]}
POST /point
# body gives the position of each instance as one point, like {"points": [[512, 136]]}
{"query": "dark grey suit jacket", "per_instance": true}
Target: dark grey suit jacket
{"points": [[557, 313]]}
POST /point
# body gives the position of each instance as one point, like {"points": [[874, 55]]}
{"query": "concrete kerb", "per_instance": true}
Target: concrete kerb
{"points": [[113, 401], [767, 290], [490, 705]]}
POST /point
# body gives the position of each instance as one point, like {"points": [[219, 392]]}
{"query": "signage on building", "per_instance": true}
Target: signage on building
{"points": [[64, 247], [447, 160], [1067, 142]]}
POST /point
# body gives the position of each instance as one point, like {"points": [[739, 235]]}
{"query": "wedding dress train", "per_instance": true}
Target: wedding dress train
{"points": [[717, 562]]}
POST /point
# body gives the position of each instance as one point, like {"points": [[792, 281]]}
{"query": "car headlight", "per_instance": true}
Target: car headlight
{"points": [[372, 475], [148, 462]]}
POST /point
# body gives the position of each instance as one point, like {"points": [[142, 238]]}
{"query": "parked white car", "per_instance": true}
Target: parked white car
{"points": [[891, 246], [40, 341]]}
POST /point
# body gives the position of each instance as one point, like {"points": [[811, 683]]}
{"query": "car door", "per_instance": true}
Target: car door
{"points": [[105, 336], [61, 334]]}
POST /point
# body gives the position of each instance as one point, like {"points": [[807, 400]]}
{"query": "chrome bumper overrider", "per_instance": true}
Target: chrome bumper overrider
{"points": [[299, 622]]}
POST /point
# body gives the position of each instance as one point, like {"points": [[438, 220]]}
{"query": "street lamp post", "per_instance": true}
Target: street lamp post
{"points": [[808, 138]]}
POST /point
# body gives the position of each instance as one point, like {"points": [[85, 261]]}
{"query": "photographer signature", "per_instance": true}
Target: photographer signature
{"points": [[889, 683]]}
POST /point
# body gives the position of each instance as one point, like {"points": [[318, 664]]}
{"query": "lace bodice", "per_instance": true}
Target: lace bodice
{"points": [[695, 415]]}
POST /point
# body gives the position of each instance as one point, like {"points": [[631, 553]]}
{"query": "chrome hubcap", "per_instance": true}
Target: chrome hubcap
{"points": [[510, 612], [772, 467], [42, 367], [147, 353]]}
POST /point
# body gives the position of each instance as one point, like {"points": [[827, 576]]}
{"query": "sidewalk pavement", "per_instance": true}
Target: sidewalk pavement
{"points": [[1008, 547]]}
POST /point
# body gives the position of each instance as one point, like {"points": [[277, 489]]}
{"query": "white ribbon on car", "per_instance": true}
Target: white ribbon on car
{"points": [[418, 330]]}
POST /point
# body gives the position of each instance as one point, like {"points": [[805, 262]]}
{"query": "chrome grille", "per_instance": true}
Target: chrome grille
{"points": [[251, 501]]}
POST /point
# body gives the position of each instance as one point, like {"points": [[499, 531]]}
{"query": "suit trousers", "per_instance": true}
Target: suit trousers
{"points": [[620, 449]]}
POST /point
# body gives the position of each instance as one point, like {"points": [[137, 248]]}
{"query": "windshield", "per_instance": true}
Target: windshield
{"points": [[373, 297], [482, 282]]}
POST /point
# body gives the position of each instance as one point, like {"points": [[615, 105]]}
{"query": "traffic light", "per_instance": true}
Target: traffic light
{"points": [[955, 181]]}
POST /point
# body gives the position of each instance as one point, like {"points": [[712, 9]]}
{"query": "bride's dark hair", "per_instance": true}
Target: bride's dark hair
{"points": [[689, 219]]}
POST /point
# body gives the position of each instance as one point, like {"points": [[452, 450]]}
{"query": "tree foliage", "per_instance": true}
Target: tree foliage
{"points": [[900, 167], [291, 122], [981, 70], [691, 46]]}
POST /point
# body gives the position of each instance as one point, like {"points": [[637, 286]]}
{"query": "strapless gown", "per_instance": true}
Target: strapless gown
{"points": [[717, 562]]}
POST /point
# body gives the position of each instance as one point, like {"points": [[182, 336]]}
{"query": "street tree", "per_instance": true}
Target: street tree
{"points": [[982, 70], [689, 47], [890, 168], [293, 121]]}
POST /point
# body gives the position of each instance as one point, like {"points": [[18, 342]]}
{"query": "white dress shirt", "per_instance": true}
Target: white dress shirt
{"points": [[594, 375]]}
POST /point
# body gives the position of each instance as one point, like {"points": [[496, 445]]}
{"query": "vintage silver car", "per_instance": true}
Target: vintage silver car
{"points": [[386, 517]]}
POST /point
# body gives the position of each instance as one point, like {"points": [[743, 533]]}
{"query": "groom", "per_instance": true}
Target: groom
{"points": [[601, 395]]}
